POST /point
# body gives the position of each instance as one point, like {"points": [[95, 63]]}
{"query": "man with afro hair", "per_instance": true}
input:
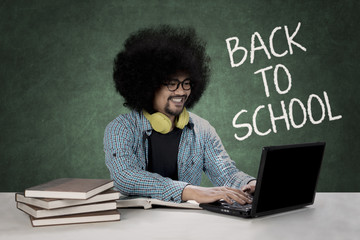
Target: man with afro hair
{"points": [[159, 149]]}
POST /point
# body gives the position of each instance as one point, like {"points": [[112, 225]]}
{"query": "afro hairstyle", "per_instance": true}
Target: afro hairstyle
{"points": [[151, 55]]}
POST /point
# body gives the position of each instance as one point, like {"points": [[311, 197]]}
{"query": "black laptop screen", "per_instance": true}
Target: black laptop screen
{"points": [[289, 177]]}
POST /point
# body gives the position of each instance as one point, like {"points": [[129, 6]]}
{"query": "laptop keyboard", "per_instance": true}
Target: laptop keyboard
{"points": [[236, 205]]}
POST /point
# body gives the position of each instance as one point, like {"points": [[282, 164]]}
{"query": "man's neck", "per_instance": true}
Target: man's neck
{"points": [[172, 119]]}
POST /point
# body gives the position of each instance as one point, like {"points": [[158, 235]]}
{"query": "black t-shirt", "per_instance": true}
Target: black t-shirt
{"points": [[163, 153]]}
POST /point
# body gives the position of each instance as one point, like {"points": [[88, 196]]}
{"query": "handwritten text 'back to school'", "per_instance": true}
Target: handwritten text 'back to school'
{"points": [[271, 73]]}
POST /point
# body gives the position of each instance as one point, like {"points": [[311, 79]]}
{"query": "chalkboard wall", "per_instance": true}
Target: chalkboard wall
{"points": [[283, 72]]}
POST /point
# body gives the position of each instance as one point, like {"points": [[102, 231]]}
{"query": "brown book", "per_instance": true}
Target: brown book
{"points": [[69, 188], [52, 203], [43, 213], [103, 216], [146, 203]]}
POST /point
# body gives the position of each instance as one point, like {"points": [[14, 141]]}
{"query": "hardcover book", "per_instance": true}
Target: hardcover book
{"points": [[103, 216], [52, 203], [69, 188], [43, 213]]}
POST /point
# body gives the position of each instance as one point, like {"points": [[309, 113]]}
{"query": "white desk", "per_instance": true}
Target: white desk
{"points": [[333, 216]]}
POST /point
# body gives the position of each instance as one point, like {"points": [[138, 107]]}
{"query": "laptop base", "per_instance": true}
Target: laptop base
{"points": [[220, 207]]}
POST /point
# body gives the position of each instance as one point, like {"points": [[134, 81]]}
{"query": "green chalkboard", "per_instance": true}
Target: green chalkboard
{"points": [[57, 93]]}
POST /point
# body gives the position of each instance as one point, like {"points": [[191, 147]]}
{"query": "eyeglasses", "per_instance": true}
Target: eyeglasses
{"points": [[173, 85]]}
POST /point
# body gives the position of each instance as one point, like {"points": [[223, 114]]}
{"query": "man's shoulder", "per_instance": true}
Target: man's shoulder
{"points": [[125, 117], [126, 120], [199, 122], [196, 118]]}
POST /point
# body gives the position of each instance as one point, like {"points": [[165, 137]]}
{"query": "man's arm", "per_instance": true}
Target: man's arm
{"points": [[232, 184], [128, 170], [219, 167], [212, 194]]}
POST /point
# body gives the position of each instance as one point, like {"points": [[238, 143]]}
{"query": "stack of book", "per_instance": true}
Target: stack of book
{"points": [[70, 201]]}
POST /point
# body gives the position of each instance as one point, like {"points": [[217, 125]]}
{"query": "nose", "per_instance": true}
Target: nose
{"points": [[180, 90]]}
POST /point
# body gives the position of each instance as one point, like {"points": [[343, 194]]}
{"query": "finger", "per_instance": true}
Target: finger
{"points": [[227, 199], [238, 196], [230, 195], [241, 199], [238, 200], [225, 194], [241, 192]]}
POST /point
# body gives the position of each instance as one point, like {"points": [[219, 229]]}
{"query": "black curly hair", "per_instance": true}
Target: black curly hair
{"points": [[151, 55]]}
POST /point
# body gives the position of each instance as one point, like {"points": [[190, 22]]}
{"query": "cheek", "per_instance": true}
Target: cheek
{"points": [[160, 99], [163, 98]]}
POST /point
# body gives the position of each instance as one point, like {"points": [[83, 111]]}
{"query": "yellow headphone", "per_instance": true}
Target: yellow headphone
{"points": [[162, 124]]}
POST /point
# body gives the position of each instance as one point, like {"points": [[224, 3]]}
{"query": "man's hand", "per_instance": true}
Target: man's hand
{"points": [[212, 194], [250, 187]]}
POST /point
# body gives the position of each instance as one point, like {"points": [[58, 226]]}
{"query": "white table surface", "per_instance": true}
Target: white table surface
{"points": [[333, 216]]}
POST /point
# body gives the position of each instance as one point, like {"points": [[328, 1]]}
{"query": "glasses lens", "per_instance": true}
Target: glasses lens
{"points": [[186, 85], [172, 85]]}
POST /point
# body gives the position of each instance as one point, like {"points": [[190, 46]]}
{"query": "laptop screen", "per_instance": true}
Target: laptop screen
{"points": [[288, 177]]}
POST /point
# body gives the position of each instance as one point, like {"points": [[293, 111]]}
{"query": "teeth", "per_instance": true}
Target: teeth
{"points": [[177, 100]]}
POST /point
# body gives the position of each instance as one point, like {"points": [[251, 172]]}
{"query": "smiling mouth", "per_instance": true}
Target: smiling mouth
{"points": [[178, 99]]}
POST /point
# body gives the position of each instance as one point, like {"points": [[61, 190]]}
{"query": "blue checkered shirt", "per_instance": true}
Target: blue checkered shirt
{"points": [[200, 149]]}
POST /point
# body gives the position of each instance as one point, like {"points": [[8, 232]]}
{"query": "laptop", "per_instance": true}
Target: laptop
{"points": [[287, 179]]}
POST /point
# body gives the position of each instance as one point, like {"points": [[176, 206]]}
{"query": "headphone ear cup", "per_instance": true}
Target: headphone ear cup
{"points": [[159, 122], [183, 119]]}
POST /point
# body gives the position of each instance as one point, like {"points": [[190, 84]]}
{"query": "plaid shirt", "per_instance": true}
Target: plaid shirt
{"points": [[200, 149]]}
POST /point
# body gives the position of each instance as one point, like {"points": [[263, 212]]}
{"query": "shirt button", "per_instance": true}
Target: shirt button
{"points": [[172, 199]]}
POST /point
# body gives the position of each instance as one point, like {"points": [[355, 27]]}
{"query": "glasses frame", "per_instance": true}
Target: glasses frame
{"points": [[178, 84]]}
